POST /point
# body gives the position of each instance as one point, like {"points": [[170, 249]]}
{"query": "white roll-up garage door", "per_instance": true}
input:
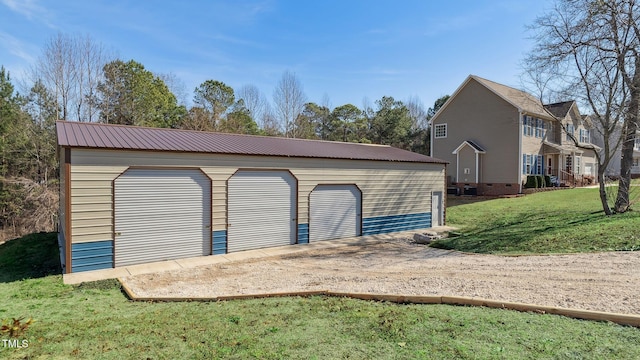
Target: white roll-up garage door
{"points": [[334, 212], [161, 215], [261, 210]]}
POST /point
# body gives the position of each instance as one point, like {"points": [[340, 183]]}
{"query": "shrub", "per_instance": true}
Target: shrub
{"points": [[589, 179], [15, 327], [541, 181], [532, 181]]}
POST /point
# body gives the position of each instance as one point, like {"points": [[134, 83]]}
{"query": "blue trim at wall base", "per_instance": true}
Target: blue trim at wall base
{"points": [[98, 255], [219, 245], [88, 256], [393, 223], [303, 233]]}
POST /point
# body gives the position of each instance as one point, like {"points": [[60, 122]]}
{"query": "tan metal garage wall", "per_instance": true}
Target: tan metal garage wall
{"points": [[384, 184], [62, 203], [92, 201], [388, 188]]}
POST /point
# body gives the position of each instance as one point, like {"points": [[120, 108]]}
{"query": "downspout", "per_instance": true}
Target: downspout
{"points": [[457, 167], [520, 128], [477, 168]]}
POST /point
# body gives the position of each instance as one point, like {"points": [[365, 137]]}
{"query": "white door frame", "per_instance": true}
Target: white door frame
{"points": [[437, 208]]}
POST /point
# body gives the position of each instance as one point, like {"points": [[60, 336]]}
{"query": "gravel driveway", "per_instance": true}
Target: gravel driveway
{"points": [[601, 281]]}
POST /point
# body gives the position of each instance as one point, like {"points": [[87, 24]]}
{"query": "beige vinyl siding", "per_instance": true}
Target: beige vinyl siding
{"points": [[467, 160], [531, 145], [388, 188], [589, 158], [478, 114]]}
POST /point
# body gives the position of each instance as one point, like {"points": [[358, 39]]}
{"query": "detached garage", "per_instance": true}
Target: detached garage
{"points": [[133, 195]]}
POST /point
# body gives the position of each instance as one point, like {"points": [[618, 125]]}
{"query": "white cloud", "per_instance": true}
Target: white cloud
{"points": [[31, 10], [17, 47]]}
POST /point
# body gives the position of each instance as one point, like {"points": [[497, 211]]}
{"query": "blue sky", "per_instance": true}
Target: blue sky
{"points": [[348, 50]]}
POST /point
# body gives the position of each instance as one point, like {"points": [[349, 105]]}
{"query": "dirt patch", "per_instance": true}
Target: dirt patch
{"points": [[602, 281]]}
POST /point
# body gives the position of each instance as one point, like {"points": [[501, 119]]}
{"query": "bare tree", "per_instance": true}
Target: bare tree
{"points": [[583, 48], [58, 71], [417, 113], [289, 99], [622, 19], [91, 57], [176, 86], [326, 102], [70, 67], [269, 123], [254, 101]]}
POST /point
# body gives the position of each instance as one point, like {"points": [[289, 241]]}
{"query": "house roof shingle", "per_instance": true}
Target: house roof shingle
{"points": [[107, 136], [520, 99], [561, 109]]}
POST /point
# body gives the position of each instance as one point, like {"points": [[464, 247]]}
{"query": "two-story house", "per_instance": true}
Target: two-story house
{"points": [[613, 169], [494, 135]]}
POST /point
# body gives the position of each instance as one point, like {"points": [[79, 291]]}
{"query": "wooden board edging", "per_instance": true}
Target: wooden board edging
{"points": [[621, 319]]}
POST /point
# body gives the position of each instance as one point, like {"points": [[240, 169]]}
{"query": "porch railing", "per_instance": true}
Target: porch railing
{"points": [[566, 178]]}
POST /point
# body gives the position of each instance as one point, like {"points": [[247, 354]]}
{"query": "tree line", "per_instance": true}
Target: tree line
{"points": [[87, 83]]}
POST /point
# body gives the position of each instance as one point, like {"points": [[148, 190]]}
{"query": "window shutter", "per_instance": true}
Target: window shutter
{"points": [[540, 166]]}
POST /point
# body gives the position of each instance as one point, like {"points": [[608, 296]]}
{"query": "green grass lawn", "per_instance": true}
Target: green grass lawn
{"points": [[97, 321], [548, 222]]}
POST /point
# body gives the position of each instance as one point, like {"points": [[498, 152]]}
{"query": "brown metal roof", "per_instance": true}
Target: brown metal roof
{"points": [[122, 137]]}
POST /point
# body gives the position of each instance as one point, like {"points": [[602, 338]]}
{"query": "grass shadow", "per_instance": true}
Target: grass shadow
{"points": [[399, 249], [554, 222], [457, 200], [523, 234], [29, 257]]}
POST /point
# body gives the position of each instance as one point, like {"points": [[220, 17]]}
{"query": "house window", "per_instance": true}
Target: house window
{"points": [[570, 131], [636, 146], [578, 160], [440, 131], [540, 128], [539, 165], [529, 124], [585, 136], [526, 164], [636, 162], [532, 164]]}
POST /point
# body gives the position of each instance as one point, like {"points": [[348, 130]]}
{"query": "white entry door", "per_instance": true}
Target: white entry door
{"points": [[436, 208]]}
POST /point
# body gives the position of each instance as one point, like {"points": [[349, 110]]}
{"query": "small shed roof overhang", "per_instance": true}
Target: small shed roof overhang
{"points": [[476, 148]]}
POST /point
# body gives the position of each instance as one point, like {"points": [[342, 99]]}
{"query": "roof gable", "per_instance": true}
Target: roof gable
{"points": [[561, 109], [475, 147], [122, 137], [519, 99]]}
